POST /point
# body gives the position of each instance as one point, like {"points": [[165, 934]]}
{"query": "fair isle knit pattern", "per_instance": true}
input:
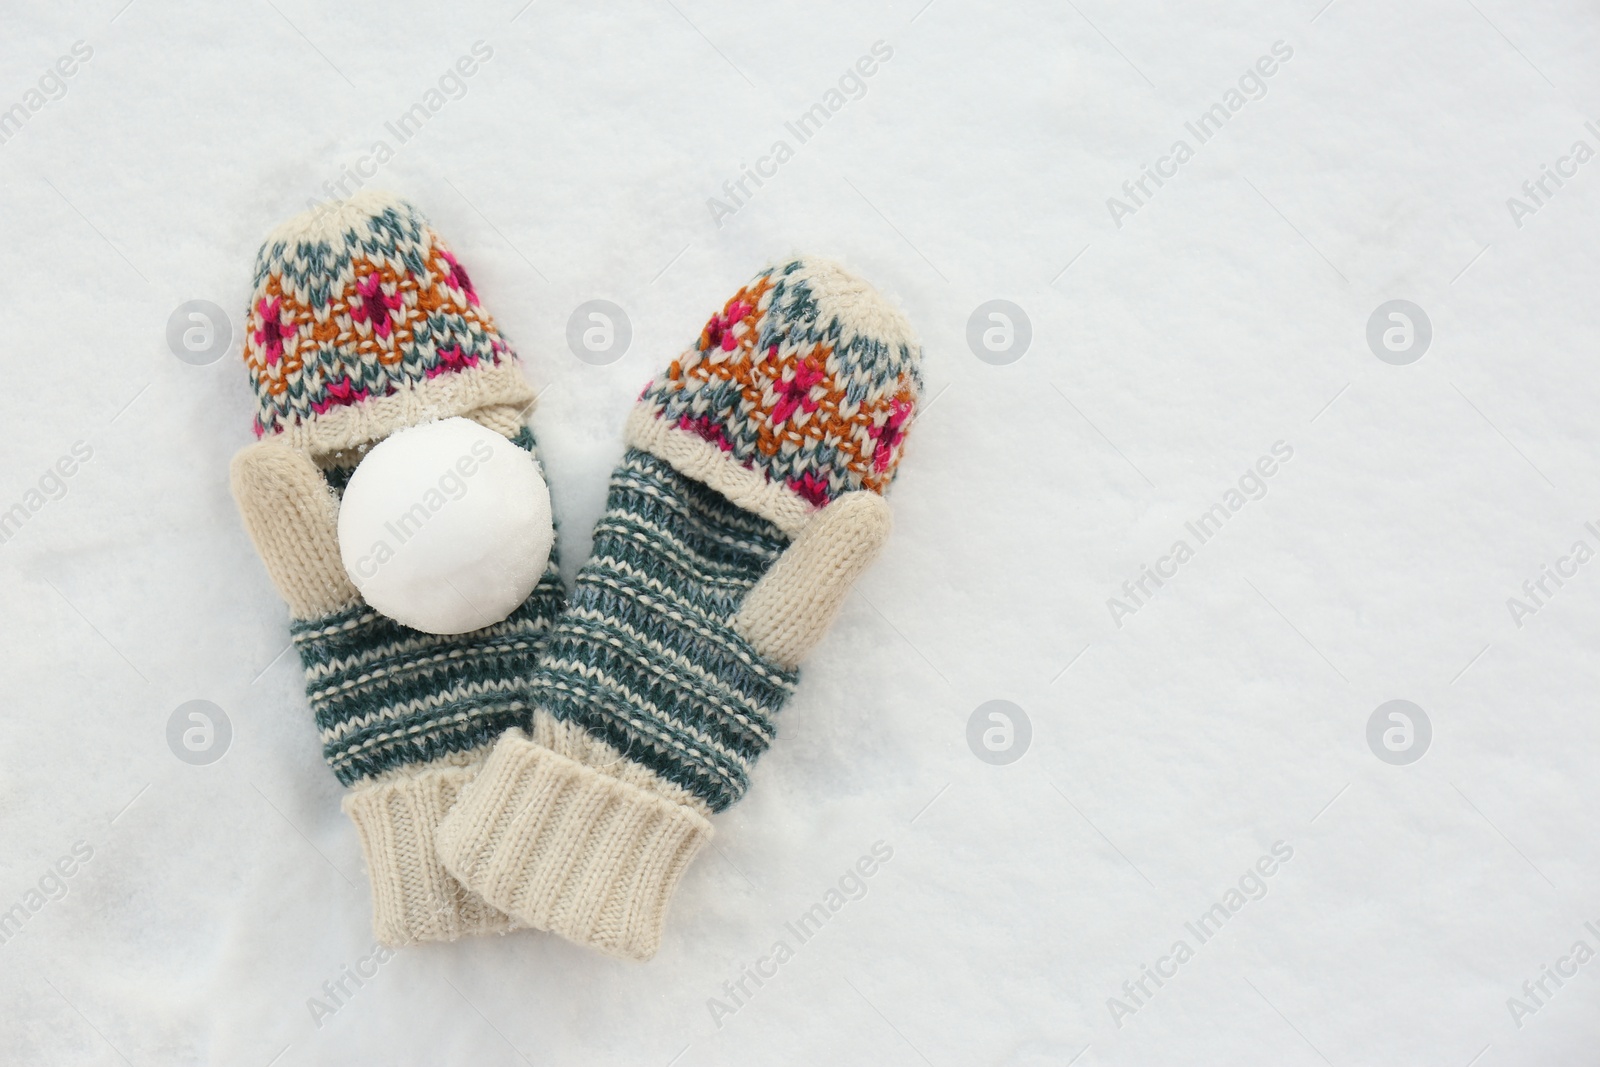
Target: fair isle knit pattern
{"points": [[789, 383], [360, 305], [363, 323], [385, 695], [645, 658], [745, 507]]}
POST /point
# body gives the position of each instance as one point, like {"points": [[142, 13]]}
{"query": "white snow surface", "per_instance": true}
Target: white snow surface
{"points": [[1172, 347]]}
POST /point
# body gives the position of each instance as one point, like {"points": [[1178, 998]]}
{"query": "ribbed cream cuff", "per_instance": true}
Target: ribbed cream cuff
{"points": [[413, 897], [562, 847]]}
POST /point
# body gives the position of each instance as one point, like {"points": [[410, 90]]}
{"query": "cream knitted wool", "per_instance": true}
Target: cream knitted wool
{"points": [[566, 848], [413, 898], [745, 507], [362, 323]]}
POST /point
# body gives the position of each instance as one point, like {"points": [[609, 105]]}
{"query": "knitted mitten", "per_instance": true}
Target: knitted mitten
{"points": [[746, 505], [363, 323]]}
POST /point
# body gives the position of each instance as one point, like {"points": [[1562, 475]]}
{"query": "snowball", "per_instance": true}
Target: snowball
{"points": [[446, 527]]}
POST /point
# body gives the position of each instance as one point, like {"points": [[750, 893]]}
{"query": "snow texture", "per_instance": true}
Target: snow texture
{"points": [[1182, 341]]}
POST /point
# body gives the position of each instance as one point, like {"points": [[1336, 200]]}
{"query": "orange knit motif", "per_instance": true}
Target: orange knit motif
{"points": [[333, 324], [848, 427]]}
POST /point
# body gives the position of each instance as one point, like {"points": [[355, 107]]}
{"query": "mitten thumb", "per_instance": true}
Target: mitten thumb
{"points": [[794, 603], [293, 518]]}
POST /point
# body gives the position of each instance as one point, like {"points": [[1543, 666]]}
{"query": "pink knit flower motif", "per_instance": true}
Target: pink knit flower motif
{"points": [[375, 304], [273, 331], [719, 331], [812, 487], [339, 394], [795, 392], [708, 430], [890, 434], [459, 277], [452, 359]]}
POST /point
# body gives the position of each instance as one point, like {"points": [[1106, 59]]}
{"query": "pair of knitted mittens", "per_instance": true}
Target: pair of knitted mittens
{"points": [[557, 769]]}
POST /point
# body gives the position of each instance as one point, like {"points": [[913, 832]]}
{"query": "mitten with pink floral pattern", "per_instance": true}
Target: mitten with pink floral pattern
{"points": [[748, 502]]}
